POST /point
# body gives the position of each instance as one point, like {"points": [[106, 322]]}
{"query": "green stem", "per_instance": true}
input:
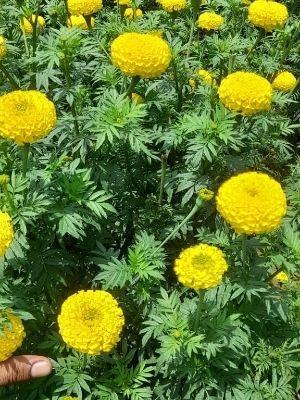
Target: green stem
{"points": [[25, 157], [295, 351], [25, 43], [274, 274], [288, 48], [69, 84], [9, 77], [258, 39], [244, 250], [191, 35], [88, 19], [133, 83], [162, 178], [8, 196], [177, 86], [66, 7]]}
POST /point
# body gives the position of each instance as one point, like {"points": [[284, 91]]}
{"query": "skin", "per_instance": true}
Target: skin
{"points": [[23, 368]]}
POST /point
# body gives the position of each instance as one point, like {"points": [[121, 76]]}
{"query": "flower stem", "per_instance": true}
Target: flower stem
{"points": [[295, 351], [177, 86], [244, 250], [258, 39], [66, 65], [25, 157], [162, 177], [88, 19], [133, 83], [9, 77], [25, 43], [274, 274]]}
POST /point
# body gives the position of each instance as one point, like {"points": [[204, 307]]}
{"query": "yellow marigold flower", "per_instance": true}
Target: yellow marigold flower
{"points": [[129, 13], [267, 14], [284, 81], [123, 2], [11, 334], [205, 76], [3, 48], [4, 179], [91, 321], [172, 5], [252, 203], [26, 24], [282, 277], [138, 99], [192, 83], [84, 7], [205, 194], [245, 92], [200, 267], [79, 21], [210, 21], [26, 116], [140, 54], [7, 233]]}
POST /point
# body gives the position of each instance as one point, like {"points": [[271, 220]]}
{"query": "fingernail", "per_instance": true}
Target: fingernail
{"points": [[40, 368]]}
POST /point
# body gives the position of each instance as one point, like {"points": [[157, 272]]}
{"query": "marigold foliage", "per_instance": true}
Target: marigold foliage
{"points": [[200, 267], [91, 321], [3, 48], [140, 54], [210, 21], [11, 334], [137, 98], [172, 5], [282, 277], [284, 81], [245, 92], [79, 21], [130, 13], [252, 203], [267, 14], [26, 23], [7, 232], [84, 7], [26, 116]]}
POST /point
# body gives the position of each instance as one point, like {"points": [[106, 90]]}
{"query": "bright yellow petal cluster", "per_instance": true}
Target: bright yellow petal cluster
{"points": [[137, 98], [252, 203], [172, 5], [123, 2], [26, 24], [3, 48], [6, 233], [192, 83], [246, 92], [205, 76], [140, 54], [284, 81], [267, 14], [210, 21], [84, 7], [26, 116], [79, 21], [130, 13], [200, 267], [91, 321], [11, 334], [282, 277]]}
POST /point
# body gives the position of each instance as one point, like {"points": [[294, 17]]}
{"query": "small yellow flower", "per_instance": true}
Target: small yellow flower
{"points": [[79, 21], [192, 83], [84, 7], [172, 5], [267, 15], [210, 21], [136, 98], [205, 194], [6, 233], [3, 47], [4, 179], [205, 76], [129, 13], [200, 267], [12, 334], [282, 277], [26, 24], [284, 81]]}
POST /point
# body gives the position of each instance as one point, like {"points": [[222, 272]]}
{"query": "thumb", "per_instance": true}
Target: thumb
{"points": [[22, 368]]}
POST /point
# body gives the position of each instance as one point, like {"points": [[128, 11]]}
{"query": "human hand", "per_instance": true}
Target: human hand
{"points": [[23, 368]]}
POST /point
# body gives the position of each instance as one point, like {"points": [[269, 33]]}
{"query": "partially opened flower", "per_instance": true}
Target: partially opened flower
{"points": [[131, 13], [252, 203], [140, 54], [284, 81], [6, 232], [84, 7], [205, 76], [3, 48], [200, 267], [282, 277], [267, 15], [91, 321], [11, 334], [210, 21], [26, 116], [26, 24], [79, 21], [172, 5]]}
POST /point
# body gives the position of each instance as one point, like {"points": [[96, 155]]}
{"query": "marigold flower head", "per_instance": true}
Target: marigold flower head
{"points": [[4, 179], [252, 203], [137, 98], [205, 194], [11, 334], [140, 54], [284, 81], [84, 7], [210, 21], [3, 48], [130, 13], [91, 321], [267, 14], [26, 116], [26, 24], [205, 76], [200, 267], [79, 21], [6, 233], [282, 277], [172, 5], [245, 92]]}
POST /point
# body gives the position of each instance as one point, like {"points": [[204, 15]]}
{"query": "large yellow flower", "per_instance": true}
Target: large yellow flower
{"points": [[246, 92], [140, 54], [84, 7], [210, 21], [6, 232], [79, 21], [252, 203], [26, 116], [26, 23], [91, 321], [200, 267], [172, 5], [267, 14], [3, 48], [284, 81], [11, 334]]}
